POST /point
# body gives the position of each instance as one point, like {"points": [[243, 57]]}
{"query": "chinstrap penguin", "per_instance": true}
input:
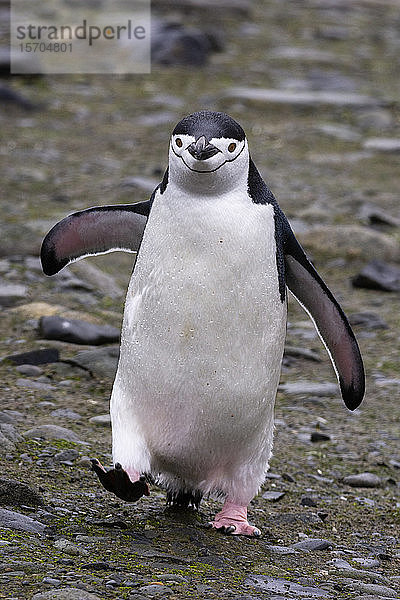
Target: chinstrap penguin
{"points": [[205, 321]]}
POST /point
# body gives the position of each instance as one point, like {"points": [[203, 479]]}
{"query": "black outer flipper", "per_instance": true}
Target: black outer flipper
{"points": [[95, 230], [296, 271], [117, 481]]}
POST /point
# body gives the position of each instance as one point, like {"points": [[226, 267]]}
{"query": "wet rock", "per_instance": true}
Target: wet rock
{"points": [[369, 480], [349, 241], [273, 496], [264, 583], [69, 548], [299, 98], [10, 293], [35, 357], [102, 362], [383, 144], [378, 275], [52, 432], [66, 594], [318, 436], [76, 331], [13, 520], [101, 420], [313, 544], [29, 370], [368, 320], [309, 388]]}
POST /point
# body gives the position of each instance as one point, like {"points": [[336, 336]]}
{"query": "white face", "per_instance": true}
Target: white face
{"points": [[228, 150]]}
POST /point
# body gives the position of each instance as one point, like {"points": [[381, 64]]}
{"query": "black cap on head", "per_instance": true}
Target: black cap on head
{"points": [[211, 125]]}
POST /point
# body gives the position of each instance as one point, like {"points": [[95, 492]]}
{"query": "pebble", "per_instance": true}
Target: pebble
{"points": [[76, 331], [318, 436], [156, 590], [101, 420], [371, 588], [6, 445], [65, 594], [378, 275], [11, 293], [375, 215], [54, 432], [313, 544], [15, 493], [69, 548], [34, 385], [276, 549], [29, 370], [296, 98], [368, 320], [66, 455], [101, 281], [382, 144], [264, 583], [369, 480], [273, 496], [66, 413], [13, 520], [9, 431]]}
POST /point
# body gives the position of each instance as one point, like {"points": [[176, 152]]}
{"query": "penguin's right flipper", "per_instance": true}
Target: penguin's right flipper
{"points": [[117, 481], [96, 230]]}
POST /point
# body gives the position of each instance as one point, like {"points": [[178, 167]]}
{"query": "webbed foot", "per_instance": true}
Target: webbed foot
{"points": [[232, 520], [118, 482]]}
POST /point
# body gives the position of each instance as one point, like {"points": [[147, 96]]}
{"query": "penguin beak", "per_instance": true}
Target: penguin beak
{"points": [[201, 149]]}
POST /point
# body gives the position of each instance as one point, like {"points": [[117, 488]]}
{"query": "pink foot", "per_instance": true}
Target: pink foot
{"points": [[232, 519]]}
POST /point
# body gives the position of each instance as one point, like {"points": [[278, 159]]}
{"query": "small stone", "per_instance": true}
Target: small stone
{"points": [[11, 293], [383, 144], [372, 588], [273, 496], [308, 501], [34, 385], [52, 432], [51, 581], [375, 215], [11, 433], [69, 548], [101, 420], [6, 445], [66, 455], [378, 275], [35, 357], [318, 436], [275, 549], [313, 544], [29, 370], [369, 480], [100, 280], [296, 97], [15, 493], [155, 590], [13, 520], [65, 594], [368, 320], [102, 362], [66, 413]]}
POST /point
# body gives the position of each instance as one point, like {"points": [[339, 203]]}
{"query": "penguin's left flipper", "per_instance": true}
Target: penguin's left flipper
{"points": [[117, 481], [329, 319], [95, 230]]}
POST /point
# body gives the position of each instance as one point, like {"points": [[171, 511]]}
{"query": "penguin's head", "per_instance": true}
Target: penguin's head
{"points": [[208, 152]]}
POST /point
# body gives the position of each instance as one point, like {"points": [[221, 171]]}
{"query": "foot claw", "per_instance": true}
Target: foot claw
{"points": [[232, 520], [230, 529], [117, 480]]}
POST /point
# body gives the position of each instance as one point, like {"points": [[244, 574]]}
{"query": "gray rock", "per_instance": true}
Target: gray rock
{"points": [[264, 583], [13, 520], [312, 544], [102, 282], [367, 563], [341, 132], [375, 215], [383, 144], [66, 413], [30, 384], [29, 370], [176, 44], [309, 388], [6, 418], [76, 331], [65, 594], [297, 352], [350, 242], [101, 420], [302, 98], [240, 7], [17, 239], [69, 548], [369, 480], [6, 446], [11, 293], [273, 496], [381, 591], [156, 590], [378, 275], [368, 320], [15, 493], [102, 362], [275, 549], [11, 433], [147, 184], [66, 455], [52, 432], [319, 436]]}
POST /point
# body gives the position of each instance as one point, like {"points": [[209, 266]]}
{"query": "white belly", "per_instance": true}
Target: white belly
{"points": [[202, 341]]}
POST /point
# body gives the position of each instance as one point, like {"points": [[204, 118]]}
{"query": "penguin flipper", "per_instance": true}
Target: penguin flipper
{"points": [[95, 230], [329, 319]]}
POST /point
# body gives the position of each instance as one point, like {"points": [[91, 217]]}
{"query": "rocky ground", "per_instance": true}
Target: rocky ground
{"points": [[316, 86]]}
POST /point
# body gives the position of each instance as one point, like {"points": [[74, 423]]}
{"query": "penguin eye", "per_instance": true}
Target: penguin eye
{"points": [[232, 147], [179, 142]]}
